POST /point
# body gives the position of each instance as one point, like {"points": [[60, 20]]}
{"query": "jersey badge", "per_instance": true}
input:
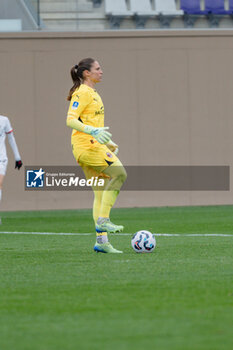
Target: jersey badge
{"points": [[75, 105], [109, 154]]}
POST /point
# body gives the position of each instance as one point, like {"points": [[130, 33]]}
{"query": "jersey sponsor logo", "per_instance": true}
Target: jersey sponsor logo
{"points": [[35, 178], [75, 105], [100, 112]]}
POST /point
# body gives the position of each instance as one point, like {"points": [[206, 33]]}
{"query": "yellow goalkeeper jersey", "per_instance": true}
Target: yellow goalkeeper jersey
{"points": [[86, 105]]}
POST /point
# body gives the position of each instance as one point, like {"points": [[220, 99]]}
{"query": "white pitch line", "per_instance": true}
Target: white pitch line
{"points": [[46, 233], [121, 234]]}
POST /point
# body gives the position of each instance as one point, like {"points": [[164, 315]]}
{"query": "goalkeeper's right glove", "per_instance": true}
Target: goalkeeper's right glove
{"points": [[113, 147], [100, 134]]}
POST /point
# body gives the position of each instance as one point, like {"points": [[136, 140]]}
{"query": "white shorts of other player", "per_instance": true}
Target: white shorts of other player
{"points": [[3, 166]]}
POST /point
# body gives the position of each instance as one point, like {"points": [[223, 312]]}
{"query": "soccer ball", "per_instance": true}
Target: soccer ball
{"points": [[143, 242]]}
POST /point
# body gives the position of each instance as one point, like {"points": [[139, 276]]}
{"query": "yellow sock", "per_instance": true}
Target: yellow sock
{"points": [[108, 199], [97, 205]]}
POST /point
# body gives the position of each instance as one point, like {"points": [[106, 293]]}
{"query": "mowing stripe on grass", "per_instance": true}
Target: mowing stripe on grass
{"points": [[120, 234]]}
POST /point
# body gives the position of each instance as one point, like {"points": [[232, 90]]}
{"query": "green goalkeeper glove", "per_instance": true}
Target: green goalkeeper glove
{"points": [[100, 134]]}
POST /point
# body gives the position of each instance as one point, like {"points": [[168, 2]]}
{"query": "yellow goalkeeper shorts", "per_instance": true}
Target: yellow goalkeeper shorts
{"points": [[98, 157]]}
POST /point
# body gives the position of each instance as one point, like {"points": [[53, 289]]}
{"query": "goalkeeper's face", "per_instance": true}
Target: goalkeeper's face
{"points": [[95, 74]]}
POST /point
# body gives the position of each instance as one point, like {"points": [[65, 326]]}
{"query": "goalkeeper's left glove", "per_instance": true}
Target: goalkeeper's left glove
{"points": [[100, 134], [18, 164], [114, 148]]}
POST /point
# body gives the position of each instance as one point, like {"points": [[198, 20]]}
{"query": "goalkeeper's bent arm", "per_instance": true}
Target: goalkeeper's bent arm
{"points": [[100, 134]]}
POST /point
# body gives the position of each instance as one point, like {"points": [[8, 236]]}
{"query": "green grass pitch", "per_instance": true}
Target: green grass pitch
{"points": [[57, 294]]}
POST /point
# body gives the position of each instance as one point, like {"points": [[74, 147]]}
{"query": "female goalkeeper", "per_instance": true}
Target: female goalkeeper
{"points": [[93, 148]]}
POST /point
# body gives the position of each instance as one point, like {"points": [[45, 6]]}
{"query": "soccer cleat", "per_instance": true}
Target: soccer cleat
{"points": [[107, 226], [106, 248]]}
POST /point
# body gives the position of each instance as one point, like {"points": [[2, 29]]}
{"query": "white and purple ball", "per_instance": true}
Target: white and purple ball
{"points": [[143, 242]]}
